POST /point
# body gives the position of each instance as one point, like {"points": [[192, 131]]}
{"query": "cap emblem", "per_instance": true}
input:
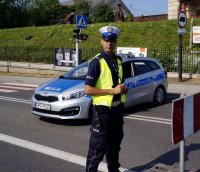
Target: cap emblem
{"points": [[110, 29]]}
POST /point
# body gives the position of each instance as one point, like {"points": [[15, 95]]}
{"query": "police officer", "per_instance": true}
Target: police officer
{"points": [[104, 83]]}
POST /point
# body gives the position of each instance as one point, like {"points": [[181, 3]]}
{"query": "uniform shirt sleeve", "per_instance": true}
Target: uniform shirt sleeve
{"points": [[93, 72]]}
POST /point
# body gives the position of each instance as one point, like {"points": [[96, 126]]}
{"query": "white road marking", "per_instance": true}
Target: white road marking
{"points": [[17, 84], [7, 91], [65, 155], [14, 87], [150, 119], [136, 117], [76, 159], [15, 99]]}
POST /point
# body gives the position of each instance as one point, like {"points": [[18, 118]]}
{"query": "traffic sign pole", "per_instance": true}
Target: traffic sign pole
{"points": [[77, 31], [180, 58], [77, 51], [182, 21]]}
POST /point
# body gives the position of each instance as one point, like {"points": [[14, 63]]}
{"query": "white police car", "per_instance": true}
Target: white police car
{"points": [[64, 97]]}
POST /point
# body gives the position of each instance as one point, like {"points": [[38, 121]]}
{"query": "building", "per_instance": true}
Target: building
{"points": [[151, 18], [112, 3], [191, 7]]}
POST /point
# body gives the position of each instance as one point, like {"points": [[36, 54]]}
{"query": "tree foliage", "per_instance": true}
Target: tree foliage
{"points": [[129, 18], [47, 12], [21, 13], [103, 13], [12, 13], [82, 7]]}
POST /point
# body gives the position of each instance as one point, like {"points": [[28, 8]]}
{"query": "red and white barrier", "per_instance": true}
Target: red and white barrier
{"points": [[185, 117]]}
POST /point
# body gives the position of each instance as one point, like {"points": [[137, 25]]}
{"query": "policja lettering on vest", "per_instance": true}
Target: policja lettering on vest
{"points": [[104, 83]]}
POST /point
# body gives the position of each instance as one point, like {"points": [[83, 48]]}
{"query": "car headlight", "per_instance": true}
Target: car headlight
{"points": [[73, 95]]}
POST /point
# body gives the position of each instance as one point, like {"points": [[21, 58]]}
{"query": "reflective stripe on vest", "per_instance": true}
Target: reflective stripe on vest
{"points": [[105, 82]]}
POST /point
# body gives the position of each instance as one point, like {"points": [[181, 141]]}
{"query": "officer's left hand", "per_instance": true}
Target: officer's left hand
{"points": [[120, 89], [124, 89]]}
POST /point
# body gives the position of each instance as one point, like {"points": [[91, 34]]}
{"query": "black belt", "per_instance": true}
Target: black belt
{"points": [[116, 103], [105, 109], [102, 109]]}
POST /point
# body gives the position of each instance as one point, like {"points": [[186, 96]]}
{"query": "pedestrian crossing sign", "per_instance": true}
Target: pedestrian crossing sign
{"points": [[81, 21]]}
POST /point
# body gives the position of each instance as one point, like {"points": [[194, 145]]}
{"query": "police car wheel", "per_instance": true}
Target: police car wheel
{"points": [[159, 95]]}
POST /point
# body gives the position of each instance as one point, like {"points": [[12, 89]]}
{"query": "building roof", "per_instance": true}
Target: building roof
{"points": [[112, 3]]}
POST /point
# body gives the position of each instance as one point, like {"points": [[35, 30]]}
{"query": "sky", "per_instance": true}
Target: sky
{"points": [[145, 7]]}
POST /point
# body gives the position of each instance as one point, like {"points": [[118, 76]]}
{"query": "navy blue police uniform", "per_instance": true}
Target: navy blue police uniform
{"points": [[107, 124]]}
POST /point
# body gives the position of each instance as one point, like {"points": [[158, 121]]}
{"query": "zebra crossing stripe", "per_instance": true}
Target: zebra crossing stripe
{"points": [[15, 87], [20, 85], [7, 91]]}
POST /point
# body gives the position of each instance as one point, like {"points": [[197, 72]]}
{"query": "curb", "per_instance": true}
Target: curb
{"points": [[184, 75], [51, 69]]}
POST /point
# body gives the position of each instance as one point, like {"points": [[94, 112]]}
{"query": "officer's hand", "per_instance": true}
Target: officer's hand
{"points": [[124, 89], [120, 89]]}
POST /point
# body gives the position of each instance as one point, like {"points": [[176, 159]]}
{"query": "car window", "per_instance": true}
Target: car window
{"points": [[153, 65], [82, 72], [141, 67], [127, 69], [79, 72]]}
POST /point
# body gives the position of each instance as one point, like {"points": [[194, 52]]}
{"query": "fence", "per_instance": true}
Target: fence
{"points": [[34, 55], [167, 57]]}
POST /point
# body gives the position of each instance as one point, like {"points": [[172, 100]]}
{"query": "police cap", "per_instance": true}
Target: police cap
{"points": [[109, 33]]}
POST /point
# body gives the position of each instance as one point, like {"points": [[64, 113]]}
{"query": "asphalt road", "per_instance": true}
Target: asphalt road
{"points": [[30, 143]]}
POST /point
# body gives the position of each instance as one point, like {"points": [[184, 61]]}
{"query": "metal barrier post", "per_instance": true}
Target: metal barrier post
{"points": [[182, 150], [8, 65], [182, 155]]}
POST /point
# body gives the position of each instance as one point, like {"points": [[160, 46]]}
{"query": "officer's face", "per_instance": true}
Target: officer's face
{"points": [[108, 46]]}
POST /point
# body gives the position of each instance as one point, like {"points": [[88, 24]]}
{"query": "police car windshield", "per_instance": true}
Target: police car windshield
{"points": [[78, 73]]}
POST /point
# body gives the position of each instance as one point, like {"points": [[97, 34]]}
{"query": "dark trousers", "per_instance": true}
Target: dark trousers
{"points": [[106, 137]]}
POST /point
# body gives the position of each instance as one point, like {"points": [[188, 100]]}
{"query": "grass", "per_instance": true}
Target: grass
{"points": [[159, 34]]}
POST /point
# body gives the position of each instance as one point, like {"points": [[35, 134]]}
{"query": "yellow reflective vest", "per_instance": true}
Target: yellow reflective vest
{"points": [[105, 81]]}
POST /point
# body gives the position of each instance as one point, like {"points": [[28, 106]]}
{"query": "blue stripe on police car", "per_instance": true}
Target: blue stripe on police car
{"points": [[61, 85]]}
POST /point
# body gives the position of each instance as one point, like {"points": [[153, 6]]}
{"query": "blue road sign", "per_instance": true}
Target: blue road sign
{"points": [[81, 21]]}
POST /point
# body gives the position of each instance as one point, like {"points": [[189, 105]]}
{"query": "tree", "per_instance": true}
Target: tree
{"points": [[130, 17], [103, 13], [45, 12], [13, 13], [52, 8], [20, 13], [82, 7], [23, 4]]}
